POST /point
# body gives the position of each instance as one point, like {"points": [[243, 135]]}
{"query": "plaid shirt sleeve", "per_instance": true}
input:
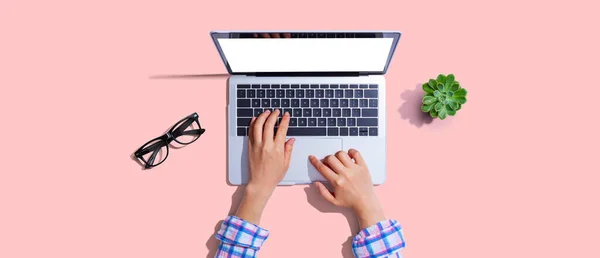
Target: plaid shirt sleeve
{"points": [[239, 239], [383, 239]]}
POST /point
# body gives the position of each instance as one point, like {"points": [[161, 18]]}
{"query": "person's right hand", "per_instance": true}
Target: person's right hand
{"points": [[352, 185]]}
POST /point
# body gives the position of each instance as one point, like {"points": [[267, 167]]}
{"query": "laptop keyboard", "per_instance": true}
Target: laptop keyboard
{"points": [[315, 109]]}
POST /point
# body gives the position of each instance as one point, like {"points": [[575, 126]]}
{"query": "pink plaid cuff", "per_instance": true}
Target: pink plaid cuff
{"points": [[237, 232], [380, 240]]}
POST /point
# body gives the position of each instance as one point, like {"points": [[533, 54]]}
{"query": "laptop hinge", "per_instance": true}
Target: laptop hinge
{"points": [[307, 74]]}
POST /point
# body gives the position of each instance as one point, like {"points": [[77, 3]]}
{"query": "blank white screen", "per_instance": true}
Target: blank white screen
{"points": [[306, 55]]}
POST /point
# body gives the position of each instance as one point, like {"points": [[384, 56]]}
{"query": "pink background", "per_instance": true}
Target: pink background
{"points": [[515, 173]]}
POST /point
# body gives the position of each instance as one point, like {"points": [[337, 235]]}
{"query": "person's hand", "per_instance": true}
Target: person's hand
{"points": [[352, 185], [268, 160]]}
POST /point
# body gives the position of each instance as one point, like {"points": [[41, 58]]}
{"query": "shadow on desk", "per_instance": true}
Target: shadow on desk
{"points": [[213, 243], [315, 199], [411, 108]]}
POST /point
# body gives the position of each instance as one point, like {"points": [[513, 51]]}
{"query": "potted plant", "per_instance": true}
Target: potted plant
{"points": [[443, 96]]}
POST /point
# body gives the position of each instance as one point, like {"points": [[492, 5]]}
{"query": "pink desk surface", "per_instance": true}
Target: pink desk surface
{"points": [[514, 174]]}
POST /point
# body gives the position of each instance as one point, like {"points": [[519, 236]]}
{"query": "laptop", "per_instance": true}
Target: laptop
{"points": [[331, 82]]}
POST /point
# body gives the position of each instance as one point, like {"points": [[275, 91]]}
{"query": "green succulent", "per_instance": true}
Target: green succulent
{"points": [[443, 96]]}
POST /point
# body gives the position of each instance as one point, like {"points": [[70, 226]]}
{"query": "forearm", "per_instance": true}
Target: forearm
{"points": [[253, 203]]}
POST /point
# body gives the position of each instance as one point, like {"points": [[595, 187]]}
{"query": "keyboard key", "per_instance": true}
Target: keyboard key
{"points": [[299, 94], [371, 94], [316, 112], [353, 131], [314, 86], [305, 103], [333, 86], [343, 86], [343, 103], [358, 93], [329, 94], [369, 112], [322, 121], [306, 112], [356, 112], [364, 86], [274, 86], [241, 93], [270, 93], [289, 93], [351, 122], [289, 110], [367, 121], [314, 103], [344, 131], [304, 86], [293, 122], [324, 103], [306, 131], [302, 121], [243, 86], [275, 103], [337, 112], [331, 121], [354, 103], [265, 86], [243, 103], [256, 103], [243, 121], [295, 86], [373, 86], [341, 122], [310, 94], [327, 112], [241, 131], [244, 112], [334, 103], [363, 131], [339, 93], [349, 94], [324, 86], [373, 131], [332, 132], [285, 86], [280, 94], [346, 112], [364, 103], [312, 122], [258, 111], [265, 102], [260, 93], [251, 93], [285, 103], [373, 103], [295, 103], [319, 93], [297, 112], [255, 86]]}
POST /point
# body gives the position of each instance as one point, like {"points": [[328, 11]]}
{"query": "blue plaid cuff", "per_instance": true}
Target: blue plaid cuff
{"points": [[237, 232], [380, 240]]}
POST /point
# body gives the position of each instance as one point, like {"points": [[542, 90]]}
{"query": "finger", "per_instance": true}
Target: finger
{"points": [[289, 146], [323, 169], [354, 154], [250, 138], [283, 128], [274, 35], [343, 157], [257, 128], [265, 35], [334, 163], [287, 35], [326, 193], [269, 129]]}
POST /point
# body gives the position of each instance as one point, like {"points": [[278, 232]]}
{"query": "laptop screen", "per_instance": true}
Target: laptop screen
{"points": [[306, 52]]}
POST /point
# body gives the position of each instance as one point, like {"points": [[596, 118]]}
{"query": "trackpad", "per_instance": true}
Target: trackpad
{"points": [[301, 170]]}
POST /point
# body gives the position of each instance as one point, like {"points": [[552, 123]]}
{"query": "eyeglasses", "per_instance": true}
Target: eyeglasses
{"points": [[156, 151]]}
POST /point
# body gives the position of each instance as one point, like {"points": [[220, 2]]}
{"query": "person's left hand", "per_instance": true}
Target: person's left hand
{"points": [[268, 155]]}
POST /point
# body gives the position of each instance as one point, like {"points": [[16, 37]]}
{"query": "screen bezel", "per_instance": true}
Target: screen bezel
{"points": [[395, 35]]}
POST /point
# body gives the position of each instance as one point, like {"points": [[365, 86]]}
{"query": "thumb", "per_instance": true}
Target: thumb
{"points": [[326, 193], [289, 146]]}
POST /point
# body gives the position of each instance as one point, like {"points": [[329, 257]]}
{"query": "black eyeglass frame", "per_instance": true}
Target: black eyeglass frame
{"points": [[166, 139]]}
